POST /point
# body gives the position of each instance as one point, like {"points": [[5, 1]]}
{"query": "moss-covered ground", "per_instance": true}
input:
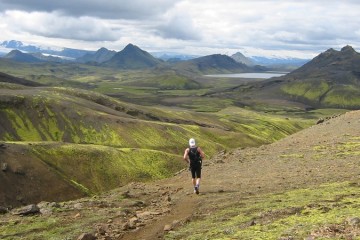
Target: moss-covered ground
{"points": [[295, 214], [321, 93]]}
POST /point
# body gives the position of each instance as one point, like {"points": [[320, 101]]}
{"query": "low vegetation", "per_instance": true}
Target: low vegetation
{"points": [[326, 211], [320, 93]]}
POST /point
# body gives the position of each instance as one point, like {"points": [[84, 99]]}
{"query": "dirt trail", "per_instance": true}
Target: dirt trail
{"points": [[311, 157], [180, 213]]}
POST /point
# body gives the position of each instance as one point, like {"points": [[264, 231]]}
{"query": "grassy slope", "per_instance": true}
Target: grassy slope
{"points": [[321, 93], [329, 80], [113, 143]]}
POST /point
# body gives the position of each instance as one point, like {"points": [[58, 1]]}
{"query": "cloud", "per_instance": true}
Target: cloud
{"points": [[196, 27], [297, 25], [54, 25], [179, 26], [108, 9]]}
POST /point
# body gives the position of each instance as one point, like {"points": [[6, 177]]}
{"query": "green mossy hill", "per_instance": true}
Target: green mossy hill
{"points": [[101, 168], [331, 79], [75, 170], [52, 115], [324, 94], [76, 116], [165, 80]]}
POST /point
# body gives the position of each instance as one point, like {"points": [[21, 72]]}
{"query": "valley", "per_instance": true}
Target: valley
{"points": [[108, 134]]}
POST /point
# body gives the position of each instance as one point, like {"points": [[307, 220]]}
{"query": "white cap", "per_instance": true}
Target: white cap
{"points": [[192, 142]]}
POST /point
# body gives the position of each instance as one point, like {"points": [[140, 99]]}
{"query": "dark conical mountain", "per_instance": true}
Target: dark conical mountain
{"points": [[216, 63], [100, 56], [332, 79], [132, 57], [19, 56]]}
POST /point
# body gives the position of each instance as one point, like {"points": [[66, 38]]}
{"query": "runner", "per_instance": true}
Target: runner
{"points": [[194, 156]]}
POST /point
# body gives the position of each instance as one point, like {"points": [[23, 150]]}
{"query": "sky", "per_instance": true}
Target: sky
{"points": [[282, 28]]}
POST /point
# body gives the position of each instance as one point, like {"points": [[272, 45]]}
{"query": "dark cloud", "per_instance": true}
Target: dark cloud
{"points": [[108, 9]]}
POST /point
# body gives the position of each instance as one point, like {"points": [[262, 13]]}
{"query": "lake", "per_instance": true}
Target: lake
{"points": [[249, 75]]}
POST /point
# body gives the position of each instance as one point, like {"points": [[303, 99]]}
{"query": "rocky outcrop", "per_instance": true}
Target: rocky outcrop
{"points": [[27, 210]]}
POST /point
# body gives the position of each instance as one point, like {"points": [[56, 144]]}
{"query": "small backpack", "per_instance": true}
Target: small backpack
{"points": [[194, 155]]}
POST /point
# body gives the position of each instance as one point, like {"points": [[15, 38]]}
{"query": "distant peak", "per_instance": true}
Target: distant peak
{"points": [[102, 50], [347, 48], [131, 46], [16, 51], [329, 53], [330, 50], [238, 54]]}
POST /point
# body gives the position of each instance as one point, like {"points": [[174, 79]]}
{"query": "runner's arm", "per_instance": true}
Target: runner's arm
{"points": [[202, 154], [186, 155]]}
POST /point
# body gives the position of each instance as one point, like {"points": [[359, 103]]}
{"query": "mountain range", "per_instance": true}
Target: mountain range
{"points": [[132, 57], [104, 54], [329, 80], [67, 53]]}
